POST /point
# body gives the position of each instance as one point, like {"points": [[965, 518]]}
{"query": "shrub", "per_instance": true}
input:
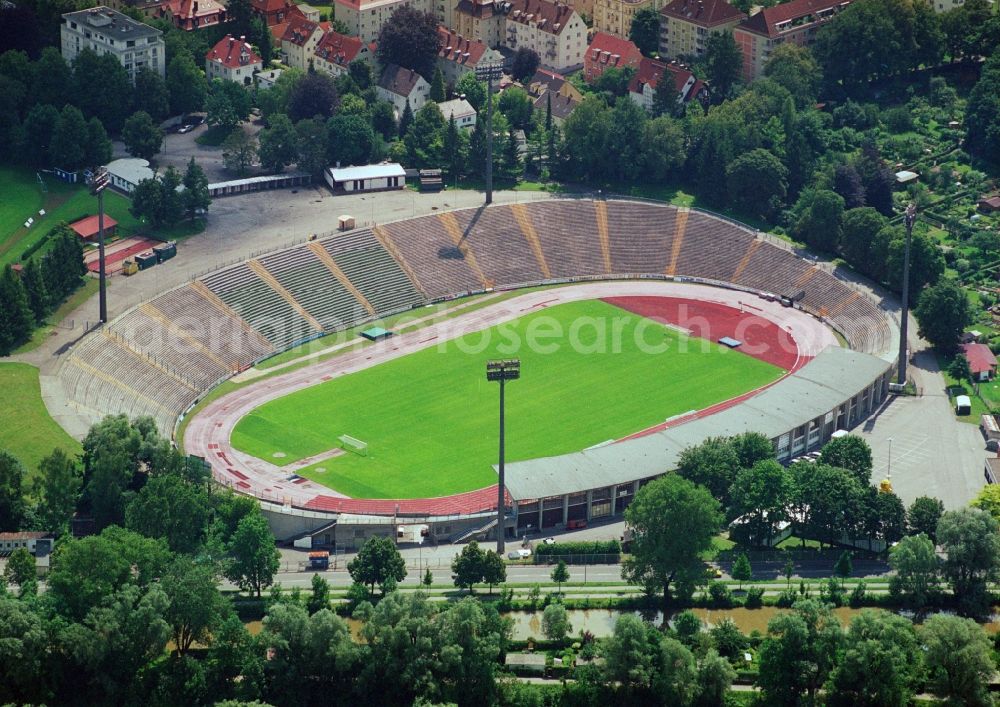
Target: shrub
{"points": [[755, 598], [787, 598], [858, 595], [721, 596], [580, 552]]}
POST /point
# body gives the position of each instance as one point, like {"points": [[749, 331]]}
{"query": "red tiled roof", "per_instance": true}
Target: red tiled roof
{"points": [[298, 31], [651, 71], [547, 16], [765, 21], [190, 9], [87, 227], [453, 47], [607, 51], [270, 5], [981, 359], [706, 13], [338, 48], [25, 535], [233, 53], [475, 8]]}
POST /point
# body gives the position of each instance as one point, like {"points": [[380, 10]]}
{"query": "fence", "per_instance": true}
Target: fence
{"points": [[579, 559]]}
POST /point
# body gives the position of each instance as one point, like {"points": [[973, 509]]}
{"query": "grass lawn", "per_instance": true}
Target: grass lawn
{"points": [[88, 289], [955, 387], [26, 430], [430, 418]]}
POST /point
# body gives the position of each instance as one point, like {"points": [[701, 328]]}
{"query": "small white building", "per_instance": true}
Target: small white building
{"points": [[267, 79], [371, 177], [461, 110], [127, 172]]}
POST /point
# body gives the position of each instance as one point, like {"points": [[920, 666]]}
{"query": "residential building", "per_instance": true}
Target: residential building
{"points": [[336, 51], [552, 29], [609, 52], [365, 18], [105, 31], [36, 542], [461, 110], [685, 25], [642, 88], [945, 5], [193, 14], [796, 22], [615, 16], [232, 60], [400, 86], [459, 55], [274, 12], [982, 362], [545, 80], [481, 20], [299, 42], [560, 105]]}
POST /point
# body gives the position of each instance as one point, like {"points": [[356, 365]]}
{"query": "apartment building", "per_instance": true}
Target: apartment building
{"points": [[686, 25], [552, 29], [105, 31]]}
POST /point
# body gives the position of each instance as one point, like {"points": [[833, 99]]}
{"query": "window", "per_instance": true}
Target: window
{"points": [[130, 43]]}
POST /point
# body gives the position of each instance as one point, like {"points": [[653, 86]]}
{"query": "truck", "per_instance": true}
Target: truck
{"points": [[165, 251], [319, 560]]}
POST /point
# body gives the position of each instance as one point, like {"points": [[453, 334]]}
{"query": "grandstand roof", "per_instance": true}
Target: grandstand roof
{"points": [[817, 388]]}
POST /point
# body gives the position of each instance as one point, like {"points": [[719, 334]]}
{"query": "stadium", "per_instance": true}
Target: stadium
{"points": [[746, 335]]}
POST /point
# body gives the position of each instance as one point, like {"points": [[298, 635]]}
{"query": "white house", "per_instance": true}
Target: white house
{"points": [[399, 86], [232, 60], [461, 110], [371, 177]]}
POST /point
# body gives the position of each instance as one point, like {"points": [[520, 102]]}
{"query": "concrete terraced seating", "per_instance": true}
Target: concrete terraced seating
{"points": [[641, 237], [712, 248], [260, 305], [499, 246], [229, 338], [774, 269], [315, 287], [570, 237], [431, 253], [372, 271]]}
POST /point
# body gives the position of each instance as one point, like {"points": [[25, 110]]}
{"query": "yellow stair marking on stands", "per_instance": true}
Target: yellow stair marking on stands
{"points": [[386, 240], [680, 226], [331, 265], [153, 313], [145, 358], [267, 277], [202, 289], [531, 235], [807, 276], [602, 234], [450, 224], [91, 370], [838, 308], [746, 260]]}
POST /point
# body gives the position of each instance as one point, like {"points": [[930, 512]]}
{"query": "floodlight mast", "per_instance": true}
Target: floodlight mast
{"points": [[489, 72], [501, 371], [909, 219], [98, 183]]}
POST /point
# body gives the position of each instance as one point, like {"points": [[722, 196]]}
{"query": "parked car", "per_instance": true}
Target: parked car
{"points": [[185, 129], [549, 541], [576, 524]]}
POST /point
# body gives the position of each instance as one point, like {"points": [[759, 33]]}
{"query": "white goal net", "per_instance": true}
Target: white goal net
{"points": [[353, 444]]}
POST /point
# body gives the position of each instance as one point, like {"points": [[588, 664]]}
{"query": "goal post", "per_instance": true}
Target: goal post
{"points": [[353, 444]]}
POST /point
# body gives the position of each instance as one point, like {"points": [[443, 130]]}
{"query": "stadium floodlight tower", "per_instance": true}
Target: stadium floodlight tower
{"points": [[909, 219], [502, 371], [98, 183], [489, 72]]}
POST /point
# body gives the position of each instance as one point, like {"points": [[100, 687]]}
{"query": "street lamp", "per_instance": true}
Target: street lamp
{"points": [[98, 183], [502, 371], [489, 72], [909, 219], [889, 465]]}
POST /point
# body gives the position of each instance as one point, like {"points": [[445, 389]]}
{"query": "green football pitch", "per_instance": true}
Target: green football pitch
{"points": [[430, 418]]}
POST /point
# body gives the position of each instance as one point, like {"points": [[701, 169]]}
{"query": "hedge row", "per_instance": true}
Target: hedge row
{"points": [[592, 547]]}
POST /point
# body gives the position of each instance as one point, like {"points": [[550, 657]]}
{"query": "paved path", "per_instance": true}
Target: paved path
{"points": [[208, 432]]}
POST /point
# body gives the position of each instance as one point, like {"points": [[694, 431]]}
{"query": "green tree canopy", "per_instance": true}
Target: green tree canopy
{"points": [[795, 68], [958, 659], [850, 452], [645, 30], [378, 562], [970, 540], [142, 137], [723, 64], [943, 313], [409, 39], [254, 559], [923, 515], [916, 568], [799, 653]]}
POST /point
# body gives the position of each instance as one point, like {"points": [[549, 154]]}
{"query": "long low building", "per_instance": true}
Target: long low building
{"points": [[371, 177], [836, 390]]}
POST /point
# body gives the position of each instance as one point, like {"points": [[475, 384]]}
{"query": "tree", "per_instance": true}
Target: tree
{"points": [[958, 659], [254, 559], [278, 144], [560, 574], [923, 516], [315, 94], [424, 138], [741, 570], [794, 67], [713, 464], [428, 578], [761, 496], [723, 64], [319, 599], [151, 95], [141, 136], [555, 622], [438, 93], [676, 680], [12, 506], [880, 666], [311, 146], [350, 139], [715, 678], [58, 487], [195, 606], [959, 369], [852, 453], [409, 39], [629, 653], [970, 540], [474, 90], [757, 181], [21, 569], [982, 113], [467, 566], [843, 567], [613, 82], [926, 260], [40, 123], [943, 313], [25, 653], [456, 149], [916, 568], [170, 508], [239, 151], [820, 219], [260, 37], [517, 107], [383, 119], [69, 141], [663, 147], [661, 555], [16, 318], [186, 84], [798, 653], [101, 88], [378, 562], [988, 499], [227, 105], [36, 291], [525, 64], [645, 30], [195, 196], [98, 144], [847, 183], [494, 570]]}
